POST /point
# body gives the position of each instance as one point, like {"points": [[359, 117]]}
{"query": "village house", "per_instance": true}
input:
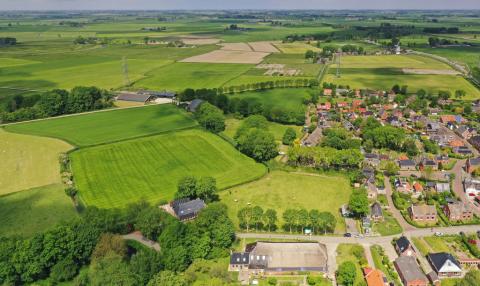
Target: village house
{"points": [[442, 187], [417, 190], [185, 209], [376, 212], [324, 106], [445, 265], [456, 143], [371, 191], [472, 164], [455, 119], [402, 185], [423, 213], [471, 187], [428, 163], [458, 211], [475, 141], [327, 92], [409, 271], [407, 165], [192, 106], [404, 247], [432, 127], [372, 159], [442, 159], [280, 257], [462, 150], [374, 277], [465, 132]]}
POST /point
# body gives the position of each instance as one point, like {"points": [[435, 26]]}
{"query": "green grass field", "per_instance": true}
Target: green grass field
{"points": [[289, 98], [280, 191], [389, 226], [149, 168], [29, 212], [295, 48], [382, 72], [108, 126], [179, 76], [28, 161]]}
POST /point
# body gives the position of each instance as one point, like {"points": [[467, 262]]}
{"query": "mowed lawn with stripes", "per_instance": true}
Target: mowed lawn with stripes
{"points": [[109, 126], [149, 168]]}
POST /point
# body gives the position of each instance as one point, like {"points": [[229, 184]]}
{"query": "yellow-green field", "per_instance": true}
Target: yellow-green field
{"points": [[28, 161], [281, 190], [295, 48], [392, 61]]}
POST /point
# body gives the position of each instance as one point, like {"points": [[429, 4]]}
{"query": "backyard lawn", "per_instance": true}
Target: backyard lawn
{"points": [[281, 190], [346, 252], [32, 211], [109, 126], [389, 226], [149, 168]]}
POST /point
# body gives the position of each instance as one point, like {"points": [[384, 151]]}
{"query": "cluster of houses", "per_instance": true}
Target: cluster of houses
{"points": [[442, 264]]}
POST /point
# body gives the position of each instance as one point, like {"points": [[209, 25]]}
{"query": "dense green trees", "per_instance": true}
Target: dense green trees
{"points": [[210, 117], [346, 273], [358, 203], [254, 140], [204, 188], [385, 137], [289, 136], [56, 102], [472, 278], [340, 139]]}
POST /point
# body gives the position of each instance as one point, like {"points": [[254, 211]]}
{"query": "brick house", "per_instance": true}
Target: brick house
{"points": [[423, 213], [458, 211], [409, 272]]}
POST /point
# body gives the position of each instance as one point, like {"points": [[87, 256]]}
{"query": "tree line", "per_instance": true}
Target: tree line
{"points": [[295, 220], [93, 240], [325, 158], [56, 102]]}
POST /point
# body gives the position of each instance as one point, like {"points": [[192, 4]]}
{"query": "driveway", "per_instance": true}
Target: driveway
{"points": [[395, 212]]}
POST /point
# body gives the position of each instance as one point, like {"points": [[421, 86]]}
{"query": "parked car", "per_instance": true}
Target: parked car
{"points": [[347, 234], [438, 233]]}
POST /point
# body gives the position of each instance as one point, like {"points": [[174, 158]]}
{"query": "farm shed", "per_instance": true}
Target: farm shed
{"points": [[135, 97], [192, 107]]}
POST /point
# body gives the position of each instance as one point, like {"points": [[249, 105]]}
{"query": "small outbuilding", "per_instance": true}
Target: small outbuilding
{"points": [[194, 105], [186, 209]]}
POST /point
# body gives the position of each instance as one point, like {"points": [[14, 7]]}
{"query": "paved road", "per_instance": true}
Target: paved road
{"points": [[395, 212], [364, 240]]}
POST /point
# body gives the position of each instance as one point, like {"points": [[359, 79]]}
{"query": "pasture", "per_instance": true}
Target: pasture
{"points": [[32, 211], [149, 168], [382, 72], [296, 48], [28, 161], [110, 125], [281, 190]]}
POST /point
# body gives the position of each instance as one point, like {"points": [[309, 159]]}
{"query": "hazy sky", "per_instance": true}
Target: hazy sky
{"points": [[237, 4]]}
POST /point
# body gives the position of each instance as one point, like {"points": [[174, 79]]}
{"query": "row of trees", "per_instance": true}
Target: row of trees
{"points": [[294, 220], [190, 187], [59, 253], [57, 102], [325, 158]]}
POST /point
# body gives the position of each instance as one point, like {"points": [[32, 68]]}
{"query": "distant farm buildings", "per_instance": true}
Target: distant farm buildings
{"points": [[145, 96]]}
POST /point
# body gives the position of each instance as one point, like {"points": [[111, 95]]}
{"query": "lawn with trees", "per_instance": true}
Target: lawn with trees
{"points": [[280, 191], [117, 174]]}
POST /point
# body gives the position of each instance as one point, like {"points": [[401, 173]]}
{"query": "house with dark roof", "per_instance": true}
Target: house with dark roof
{"points": [[186, 209], [239, 261], [475, 141], [194, 104], [445, 265], [465, 132], [462, 150], [376, 212], [407, 165], [409, 272], [428, 163], [404, 247]]}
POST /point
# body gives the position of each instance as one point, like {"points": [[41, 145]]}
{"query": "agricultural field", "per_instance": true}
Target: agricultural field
{"points": [[35, 210], [382, 72], [108, 126], [149, 168], [28, 161], [179, 76], [296, 48], [281, 190]]}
